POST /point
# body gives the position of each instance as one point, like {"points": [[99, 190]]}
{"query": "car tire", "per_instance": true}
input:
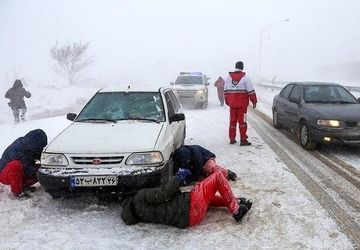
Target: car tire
{"points": [[275, 119], [167, 172], [305, 137]]}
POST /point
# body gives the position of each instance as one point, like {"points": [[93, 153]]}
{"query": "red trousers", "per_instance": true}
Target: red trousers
{"points": [[13, 175], [238, 115], [211, 166], [204, 195]]}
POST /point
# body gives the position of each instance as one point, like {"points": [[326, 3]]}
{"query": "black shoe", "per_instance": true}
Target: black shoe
{"points": [[239, 216], [243, 201], [233, 141], [245, 143]]}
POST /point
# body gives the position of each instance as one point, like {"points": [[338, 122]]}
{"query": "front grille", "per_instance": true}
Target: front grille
{"points": [[186, 93], [98, 161], [351, 124]]}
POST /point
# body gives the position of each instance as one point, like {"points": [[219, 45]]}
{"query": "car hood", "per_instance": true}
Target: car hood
{"points": [[106, 138], [188, 87], [345, 112]]}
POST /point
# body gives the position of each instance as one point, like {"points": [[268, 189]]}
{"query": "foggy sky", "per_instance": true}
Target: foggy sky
{"points": [[152, 41]]}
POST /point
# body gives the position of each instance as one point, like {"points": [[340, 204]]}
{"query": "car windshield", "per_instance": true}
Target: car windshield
{"points": [[328, 94], [189, 80], [115, 106]]}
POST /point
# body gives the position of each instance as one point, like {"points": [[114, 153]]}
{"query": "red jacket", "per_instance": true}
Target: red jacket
{"points": [[238, 90]]}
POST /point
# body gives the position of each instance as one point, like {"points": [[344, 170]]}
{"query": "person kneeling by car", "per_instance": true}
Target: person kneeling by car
{"points": [[17, 163], [200, 161], [168, 205]]}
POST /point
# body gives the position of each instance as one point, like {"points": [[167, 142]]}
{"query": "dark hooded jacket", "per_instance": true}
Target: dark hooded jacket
{"points": [[26, 149], [16, 95], [164, 205], [192, 157]]}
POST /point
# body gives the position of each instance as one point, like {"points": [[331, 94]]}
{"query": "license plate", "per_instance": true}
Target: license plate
{"points": [[93, 181]]}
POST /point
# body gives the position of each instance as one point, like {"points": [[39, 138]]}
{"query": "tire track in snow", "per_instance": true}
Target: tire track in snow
{"points": [[296, 160]]}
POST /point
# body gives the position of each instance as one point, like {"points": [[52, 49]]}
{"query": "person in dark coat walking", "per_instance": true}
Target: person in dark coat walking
{"points": [[168, 205], [17, 163], [200, 161], [17, 104]]}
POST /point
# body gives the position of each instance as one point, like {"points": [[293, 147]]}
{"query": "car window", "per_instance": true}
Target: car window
{"points": [[175, 101], [189, 80], [295, 93], [169, 103], [286, 91], [124, 105], [328, 94]]}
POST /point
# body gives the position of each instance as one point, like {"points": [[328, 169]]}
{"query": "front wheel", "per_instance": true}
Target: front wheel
{"points": [[276, 122], [305, 137]]}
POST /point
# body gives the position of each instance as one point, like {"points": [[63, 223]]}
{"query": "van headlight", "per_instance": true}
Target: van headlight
{"points": [[200, 92], [146, 158], [329, 123], [50, 159]]}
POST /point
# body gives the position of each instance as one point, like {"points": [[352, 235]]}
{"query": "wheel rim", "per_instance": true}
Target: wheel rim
{"points": [[304, 135], [275, 118]]}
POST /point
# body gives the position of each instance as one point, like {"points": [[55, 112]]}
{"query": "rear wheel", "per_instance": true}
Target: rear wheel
{"points": [[305, 137], [276, 122]]}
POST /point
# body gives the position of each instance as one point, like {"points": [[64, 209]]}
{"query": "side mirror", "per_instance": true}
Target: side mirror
{"points": [[71, 116], [172, 83], [294, 100], [207, 84], [177, 117]]}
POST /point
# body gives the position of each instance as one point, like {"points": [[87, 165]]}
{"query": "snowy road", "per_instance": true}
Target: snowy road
{"points": [[298, 203], [337, 192]]}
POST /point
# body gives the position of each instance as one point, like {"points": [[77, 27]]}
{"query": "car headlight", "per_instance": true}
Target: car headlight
{"points": [[146, 158], [329, 123], [53, 160], [200, 92]]}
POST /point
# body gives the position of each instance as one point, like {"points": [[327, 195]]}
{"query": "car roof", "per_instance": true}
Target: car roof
{"points": [[315, 83], [133, 88]]}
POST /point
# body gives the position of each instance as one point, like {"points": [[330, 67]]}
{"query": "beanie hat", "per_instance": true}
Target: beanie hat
{"points": [[182, 157], [239, 65]]}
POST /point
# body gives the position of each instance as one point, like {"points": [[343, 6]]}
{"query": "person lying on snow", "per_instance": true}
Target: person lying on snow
{"points": [[200, 161], [168, 205], [17, 163]]}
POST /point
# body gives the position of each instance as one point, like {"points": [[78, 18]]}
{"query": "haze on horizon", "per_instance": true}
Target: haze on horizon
{"points": [[152, 41]]}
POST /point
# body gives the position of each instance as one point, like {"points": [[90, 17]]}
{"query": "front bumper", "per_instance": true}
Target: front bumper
{"points": [[336, 135], [59, 179]]}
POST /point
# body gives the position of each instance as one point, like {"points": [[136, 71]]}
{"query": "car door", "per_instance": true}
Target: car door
{"points": [[282, 102], [177, 127], [292, 111]]}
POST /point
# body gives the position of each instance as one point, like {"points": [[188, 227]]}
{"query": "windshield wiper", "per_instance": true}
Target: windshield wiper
{"points": [[345, 102], [96, 119], [139, 119]]}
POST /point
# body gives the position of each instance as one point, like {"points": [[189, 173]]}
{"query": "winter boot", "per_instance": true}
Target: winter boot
{"points": [[232, 141], [243, 210], [245, 143]]}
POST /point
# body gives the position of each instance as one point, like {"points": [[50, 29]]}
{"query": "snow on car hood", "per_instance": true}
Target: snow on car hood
{"points": [[121, 137], [345, 112]]}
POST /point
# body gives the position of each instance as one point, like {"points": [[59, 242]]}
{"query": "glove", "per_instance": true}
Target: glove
{"points": [[183, 174], [232, 176], [254, 105]]}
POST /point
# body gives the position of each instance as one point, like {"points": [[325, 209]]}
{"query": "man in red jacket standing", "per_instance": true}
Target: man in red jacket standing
{"points": [[238, 90]]}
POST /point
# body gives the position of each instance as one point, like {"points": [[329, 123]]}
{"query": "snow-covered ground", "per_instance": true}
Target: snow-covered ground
{"points": [[284, 214]]}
